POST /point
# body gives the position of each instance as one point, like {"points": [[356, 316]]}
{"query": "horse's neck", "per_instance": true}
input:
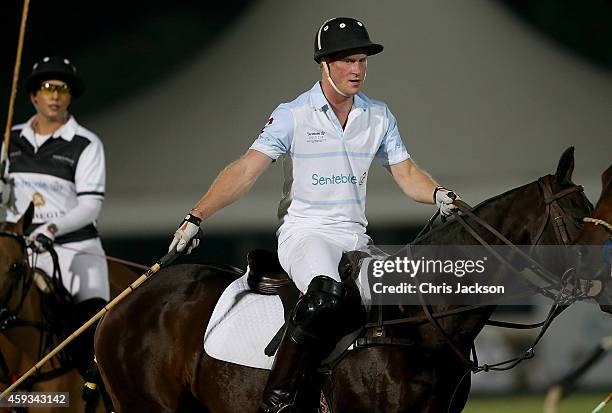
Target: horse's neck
{"points": [[514, 215], [27, 337]]}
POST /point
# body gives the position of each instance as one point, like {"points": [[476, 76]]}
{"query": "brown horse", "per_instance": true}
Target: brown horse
{"points": [[151, 358], [24, 341]]}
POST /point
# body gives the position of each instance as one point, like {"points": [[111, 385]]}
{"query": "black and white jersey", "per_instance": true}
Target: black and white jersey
{"points": [[68, 165]]}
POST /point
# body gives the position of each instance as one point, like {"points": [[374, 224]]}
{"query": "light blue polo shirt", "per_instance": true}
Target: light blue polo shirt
{"points": [[326, 167]]}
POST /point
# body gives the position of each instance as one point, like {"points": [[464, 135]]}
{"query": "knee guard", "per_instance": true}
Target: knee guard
{"points": [[319, 318]]}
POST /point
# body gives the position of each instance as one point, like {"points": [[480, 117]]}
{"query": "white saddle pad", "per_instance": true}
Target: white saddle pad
{"points": [[243, 323]]}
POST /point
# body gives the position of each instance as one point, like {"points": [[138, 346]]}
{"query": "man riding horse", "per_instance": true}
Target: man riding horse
{"points": [[327, 138]]}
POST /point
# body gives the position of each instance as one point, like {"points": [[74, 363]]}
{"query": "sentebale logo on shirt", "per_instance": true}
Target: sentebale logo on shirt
{"points": [[333, 179]]}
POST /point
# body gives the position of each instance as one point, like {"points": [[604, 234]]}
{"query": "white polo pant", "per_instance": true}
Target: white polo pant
{"points": [[83, 266], [305, 253]]}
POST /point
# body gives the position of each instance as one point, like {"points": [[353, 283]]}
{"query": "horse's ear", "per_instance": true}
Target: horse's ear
{"points": [[606, 179], [565, 167], [26, 219]]}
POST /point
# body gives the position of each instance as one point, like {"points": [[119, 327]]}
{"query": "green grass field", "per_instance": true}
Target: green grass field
{"points": [[575, 403]]}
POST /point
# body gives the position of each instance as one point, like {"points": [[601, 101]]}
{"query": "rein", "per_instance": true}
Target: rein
{"points": [[107, 257], [554, 213]]}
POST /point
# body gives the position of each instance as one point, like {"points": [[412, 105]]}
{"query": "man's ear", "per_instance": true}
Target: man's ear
{"points": [[33, 99]]}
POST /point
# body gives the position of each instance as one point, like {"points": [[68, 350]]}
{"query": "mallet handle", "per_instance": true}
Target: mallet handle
{"points": [[9, 118]]}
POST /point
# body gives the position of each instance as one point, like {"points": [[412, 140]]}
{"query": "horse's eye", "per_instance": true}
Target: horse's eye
{"points": [[16, 268]]}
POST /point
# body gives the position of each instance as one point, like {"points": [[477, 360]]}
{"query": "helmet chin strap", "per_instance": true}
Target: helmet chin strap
{"points": [[331, 82], [326, 68]]}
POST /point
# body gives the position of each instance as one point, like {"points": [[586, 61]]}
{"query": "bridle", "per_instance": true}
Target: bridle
{"points": [[9, 318], [553, 213], [18, 270]]}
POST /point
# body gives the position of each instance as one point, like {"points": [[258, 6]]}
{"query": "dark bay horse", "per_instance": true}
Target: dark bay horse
{"points": [[24, 341], [150, 353]]}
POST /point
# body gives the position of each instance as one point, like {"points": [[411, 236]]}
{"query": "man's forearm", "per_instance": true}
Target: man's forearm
{"points": [[414, 182], [422, 187], [230, 185]]}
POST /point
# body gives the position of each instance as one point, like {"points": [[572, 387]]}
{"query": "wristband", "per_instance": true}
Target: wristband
{"points": [[52, 228], [193, 219], [197, 210], [436, 191]]}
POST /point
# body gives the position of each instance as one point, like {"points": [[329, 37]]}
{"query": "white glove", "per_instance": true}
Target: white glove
{"points": [[42, 237], [184, 237], [444, 199]]}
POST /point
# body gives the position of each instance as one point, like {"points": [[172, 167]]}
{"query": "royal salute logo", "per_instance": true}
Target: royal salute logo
{"points": [[38, 199]]}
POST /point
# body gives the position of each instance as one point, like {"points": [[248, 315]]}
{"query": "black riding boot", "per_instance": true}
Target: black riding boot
{"points": [[313, 329], [294, 366], [82, 348]]}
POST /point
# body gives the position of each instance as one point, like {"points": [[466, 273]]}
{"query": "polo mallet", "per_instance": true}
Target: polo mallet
{"points": [[601, 405], [162, 262], [9, 118]]}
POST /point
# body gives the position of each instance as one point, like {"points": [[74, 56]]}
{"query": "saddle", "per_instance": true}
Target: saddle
{"points": [[266, 276], [249, 319]]}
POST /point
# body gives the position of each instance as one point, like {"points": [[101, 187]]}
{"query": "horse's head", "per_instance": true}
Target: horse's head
{"points": [[598, 231], [565, 203], [13, 253]]}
